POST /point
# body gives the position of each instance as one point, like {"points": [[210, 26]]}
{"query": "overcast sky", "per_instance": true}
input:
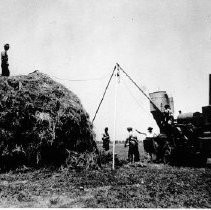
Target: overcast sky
{"points": [[161, 44]]}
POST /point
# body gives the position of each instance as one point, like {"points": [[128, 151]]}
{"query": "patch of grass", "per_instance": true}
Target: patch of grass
{"points": [[167, 187], [54, 201], [154, 186]]}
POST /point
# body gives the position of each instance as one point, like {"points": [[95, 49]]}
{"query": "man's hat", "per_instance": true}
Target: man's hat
{"points": [[166, 106], [6, 46], [150, 128], [129, 128]]}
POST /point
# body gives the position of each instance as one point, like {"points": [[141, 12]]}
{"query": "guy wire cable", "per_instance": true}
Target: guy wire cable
{"points": [[82, 80], [104, 94]]}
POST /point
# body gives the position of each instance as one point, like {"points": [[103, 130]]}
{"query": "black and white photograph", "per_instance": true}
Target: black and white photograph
{"points": [[105, 104]]}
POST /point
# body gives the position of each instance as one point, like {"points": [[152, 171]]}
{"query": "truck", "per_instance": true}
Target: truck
{"points": [[185, 139]]}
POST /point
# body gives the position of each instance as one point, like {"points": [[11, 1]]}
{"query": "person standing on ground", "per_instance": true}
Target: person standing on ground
{"points": [[149, 143], [4, 61], [133, 152], [106, 139], [150, 133]]}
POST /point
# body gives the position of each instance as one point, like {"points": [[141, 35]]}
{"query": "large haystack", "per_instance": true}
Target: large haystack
{"points": [[40, 120]]}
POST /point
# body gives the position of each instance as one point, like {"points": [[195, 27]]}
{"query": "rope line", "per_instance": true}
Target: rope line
{"points": [[82, 80], [104, 94]]}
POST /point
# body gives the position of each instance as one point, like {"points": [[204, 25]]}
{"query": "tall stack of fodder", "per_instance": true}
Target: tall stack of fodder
{"points": [[40, 120]]}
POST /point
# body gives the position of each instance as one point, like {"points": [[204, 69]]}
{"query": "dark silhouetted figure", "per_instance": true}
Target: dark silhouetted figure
{"points": [[168, 115], [106, 140], [133, 153], [4, 61], [150, 145]]}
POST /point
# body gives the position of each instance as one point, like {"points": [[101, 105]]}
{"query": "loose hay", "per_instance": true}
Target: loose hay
{"points": [[39, 120]]}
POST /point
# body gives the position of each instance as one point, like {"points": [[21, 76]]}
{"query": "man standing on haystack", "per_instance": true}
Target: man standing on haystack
{"points": [[4, 61]]}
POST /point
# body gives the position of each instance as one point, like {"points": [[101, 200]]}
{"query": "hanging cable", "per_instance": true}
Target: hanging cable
{"points": [[104, 94], [81, 80]]}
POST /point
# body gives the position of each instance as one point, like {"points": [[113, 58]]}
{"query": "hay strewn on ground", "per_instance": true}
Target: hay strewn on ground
{"points": [[40, 120]]}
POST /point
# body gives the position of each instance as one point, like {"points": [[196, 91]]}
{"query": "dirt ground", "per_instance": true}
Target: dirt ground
{"points": [[131, 185]]}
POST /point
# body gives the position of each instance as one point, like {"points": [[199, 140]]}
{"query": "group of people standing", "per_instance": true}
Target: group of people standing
{"points": [[131, 142]]}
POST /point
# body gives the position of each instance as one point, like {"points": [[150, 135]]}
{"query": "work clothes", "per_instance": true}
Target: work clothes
{"points": [[150, 144], [150, 134], [106, 140], [133, 152], [4, 64], [168, 116]]}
